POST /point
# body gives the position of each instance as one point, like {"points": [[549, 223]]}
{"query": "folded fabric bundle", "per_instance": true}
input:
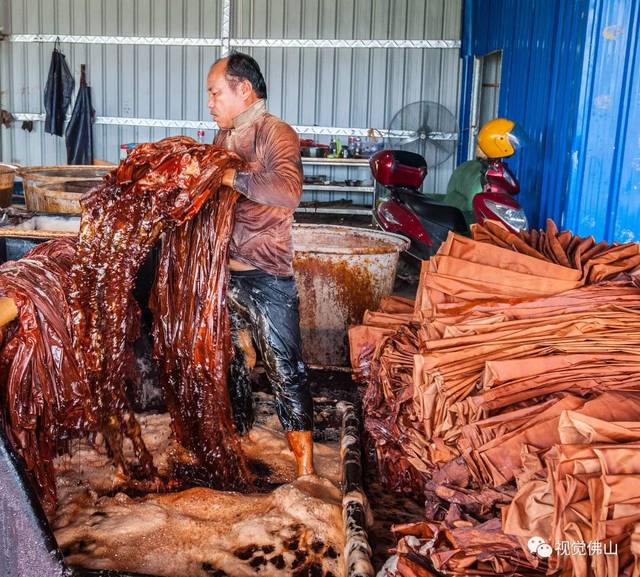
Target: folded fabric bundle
{"points": [[596, 261], [499, 265], [591, 495], [430, 549], [494, 392]]}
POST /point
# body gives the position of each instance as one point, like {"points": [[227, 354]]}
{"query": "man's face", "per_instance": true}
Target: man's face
{"points": [[226, 100]]}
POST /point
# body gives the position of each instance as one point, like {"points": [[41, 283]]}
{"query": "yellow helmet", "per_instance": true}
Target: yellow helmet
{"points": [[498, 138]]}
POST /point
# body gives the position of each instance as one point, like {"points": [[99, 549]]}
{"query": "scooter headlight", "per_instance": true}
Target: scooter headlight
{"points": [[514, 217]]}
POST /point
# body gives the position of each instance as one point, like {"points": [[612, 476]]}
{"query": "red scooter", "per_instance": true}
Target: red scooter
{"points": [[427, 222]]}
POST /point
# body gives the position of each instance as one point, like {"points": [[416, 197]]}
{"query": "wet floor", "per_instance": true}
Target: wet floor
{"points": [[388, 508]]}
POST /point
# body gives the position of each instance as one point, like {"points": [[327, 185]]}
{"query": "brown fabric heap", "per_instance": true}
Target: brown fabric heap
{"points": [[595, 261], [431, 549], [44, 395], [499, 265], [466, 399], [364, 339], [192, 340], [590, 495], [65, 361]]}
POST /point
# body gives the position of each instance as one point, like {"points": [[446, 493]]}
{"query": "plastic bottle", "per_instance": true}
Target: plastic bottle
{"points": [[357, 147], [332, 146], [201, 136], [350, 144]]}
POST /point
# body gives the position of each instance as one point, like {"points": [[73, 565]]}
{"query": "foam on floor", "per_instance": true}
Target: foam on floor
{"points": [[294, 530]]}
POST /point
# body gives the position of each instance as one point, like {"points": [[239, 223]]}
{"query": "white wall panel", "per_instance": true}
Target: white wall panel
{"points": [[360, 87]]}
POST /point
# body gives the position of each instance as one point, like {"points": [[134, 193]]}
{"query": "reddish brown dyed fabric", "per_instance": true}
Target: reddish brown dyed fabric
{"points": [[63, 364], [597, 262], [498, 265], [192, 339], [157, 187], [394, 304], [365, 339], [482, 549], [44, 394], [391, 425], [271, 187], [591, 494]]}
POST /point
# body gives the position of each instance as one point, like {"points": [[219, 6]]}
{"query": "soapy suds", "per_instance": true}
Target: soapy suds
{"points": [[296, 530]]}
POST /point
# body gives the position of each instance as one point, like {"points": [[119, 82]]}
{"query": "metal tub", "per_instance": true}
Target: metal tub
{"points": [[340, 272]]}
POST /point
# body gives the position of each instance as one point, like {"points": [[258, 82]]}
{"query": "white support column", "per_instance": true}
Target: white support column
{"points": [[225, 30]]}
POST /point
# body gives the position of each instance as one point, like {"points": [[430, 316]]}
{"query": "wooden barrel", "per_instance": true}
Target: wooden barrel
{"points": [[61, 197], [36, 178], [7, 176]]}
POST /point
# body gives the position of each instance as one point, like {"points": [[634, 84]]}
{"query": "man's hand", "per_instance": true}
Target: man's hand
{"points": [[228, 177]]}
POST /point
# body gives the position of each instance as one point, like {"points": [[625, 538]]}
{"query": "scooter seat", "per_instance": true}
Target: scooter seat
{"points": [[438, 213]]}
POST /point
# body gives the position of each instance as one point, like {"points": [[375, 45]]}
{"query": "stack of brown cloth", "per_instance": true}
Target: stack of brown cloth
{"points": [[432, 549], [587, 504], [465, 401], [499, 265]]}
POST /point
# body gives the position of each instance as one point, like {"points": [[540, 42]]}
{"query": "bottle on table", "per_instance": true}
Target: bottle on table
{"points": [[332, 147]]}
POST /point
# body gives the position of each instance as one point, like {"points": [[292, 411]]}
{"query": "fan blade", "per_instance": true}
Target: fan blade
{"points": [[442, 147], [408, 140]]}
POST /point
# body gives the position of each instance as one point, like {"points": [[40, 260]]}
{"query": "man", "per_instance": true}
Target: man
{"points": [[263, 298]]}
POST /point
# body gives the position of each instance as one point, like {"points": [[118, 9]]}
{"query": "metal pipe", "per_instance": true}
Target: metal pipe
{"points": [[356, 514]]}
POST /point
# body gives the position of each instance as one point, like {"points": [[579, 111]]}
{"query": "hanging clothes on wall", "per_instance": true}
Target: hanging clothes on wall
{"points": [[79, 131], [57, 92]]}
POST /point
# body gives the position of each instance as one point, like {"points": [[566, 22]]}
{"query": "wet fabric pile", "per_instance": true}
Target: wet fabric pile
{"points": [[65, 361], [44, 395], [430, 549], [466, 400], [192, 339]]}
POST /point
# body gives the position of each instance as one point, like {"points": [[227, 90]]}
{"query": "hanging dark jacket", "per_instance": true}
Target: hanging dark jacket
{"points": [[79, 131], [57, 93]]}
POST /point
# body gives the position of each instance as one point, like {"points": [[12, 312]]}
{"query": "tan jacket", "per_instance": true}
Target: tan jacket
{"points": [[270, 188]]}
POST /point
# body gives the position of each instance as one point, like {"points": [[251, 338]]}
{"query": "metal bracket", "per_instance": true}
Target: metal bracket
{"points": [[208, 125], [116, 40], [226, 42], [338, 43]]}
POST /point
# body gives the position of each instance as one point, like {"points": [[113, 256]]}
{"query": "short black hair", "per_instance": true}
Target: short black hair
{"points": [[241, 66]]}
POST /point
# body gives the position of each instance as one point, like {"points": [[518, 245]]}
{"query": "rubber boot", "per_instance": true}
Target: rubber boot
{"points": [[301, 445]]}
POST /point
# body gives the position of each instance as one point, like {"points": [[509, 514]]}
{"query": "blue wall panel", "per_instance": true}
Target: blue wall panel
{"points": [[604, 179], [542, 45], [571, 78]]}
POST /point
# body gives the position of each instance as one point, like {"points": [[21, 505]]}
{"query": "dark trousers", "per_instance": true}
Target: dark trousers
{"points": [[267, 306]]}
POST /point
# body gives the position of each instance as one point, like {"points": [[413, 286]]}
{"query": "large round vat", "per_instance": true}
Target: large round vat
{"points": [[341, 272]]}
